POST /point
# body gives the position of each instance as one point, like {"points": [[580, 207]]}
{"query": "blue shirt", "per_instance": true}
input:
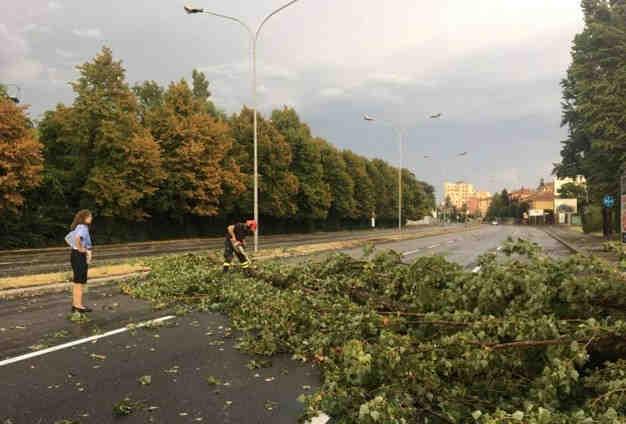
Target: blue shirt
{"points": [[81, 231]]}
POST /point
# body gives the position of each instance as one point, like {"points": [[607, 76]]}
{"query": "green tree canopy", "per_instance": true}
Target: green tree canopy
{"points": [[314, 196], [337, 176], [384, 178], [110, 161], [195, 150], [278, 185], [594, 105], [363, 186], [201, 92]]}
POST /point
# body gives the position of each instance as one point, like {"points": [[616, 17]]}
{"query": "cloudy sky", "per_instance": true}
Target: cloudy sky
{"points": [[492, 67]]}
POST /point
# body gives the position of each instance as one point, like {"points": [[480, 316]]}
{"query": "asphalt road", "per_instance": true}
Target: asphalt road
{"points": [[464, 248], [183, 357]]}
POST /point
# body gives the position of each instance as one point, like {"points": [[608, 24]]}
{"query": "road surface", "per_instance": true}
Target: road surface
{"points": [[464, 248], [196, 373]]}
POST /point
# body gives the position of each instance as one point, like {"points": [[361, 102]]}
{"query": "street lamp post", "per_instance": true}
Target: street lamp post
{"points": [[400, 132], [254, 37]]}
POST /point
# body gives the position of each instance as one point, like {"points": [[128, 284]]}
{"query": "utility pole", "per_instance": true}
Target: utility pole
{"points": [[254, 38]]}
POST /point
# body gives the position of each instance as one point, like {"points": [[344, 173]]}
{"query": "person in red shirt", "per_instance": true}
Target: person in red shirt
{"points": [[234, 244]]}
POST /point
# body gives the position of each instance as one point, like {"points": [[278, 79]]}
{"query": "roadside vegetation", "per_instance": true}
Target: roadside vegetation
{"points": [[526, 339], [593, 104], [155, 162]]}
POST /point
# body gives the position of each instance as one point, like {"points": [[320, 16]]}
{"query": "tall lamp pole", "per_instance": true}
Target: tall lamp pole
{"points": [[254, 37], [400, 132]]}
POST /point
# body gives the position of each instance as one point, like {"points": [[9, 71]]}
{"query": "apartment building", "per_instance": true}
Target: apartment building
{"points": [[459, 193], [479, 203]]}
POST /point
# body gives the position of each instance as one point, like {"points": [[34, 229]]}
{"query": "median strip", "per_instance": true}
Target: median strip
{"points": [[39, 283]]}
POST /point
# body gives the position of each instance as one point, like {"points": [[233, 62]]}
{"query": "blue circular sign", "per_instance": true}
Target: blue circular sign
{"points": [[609, 201]]}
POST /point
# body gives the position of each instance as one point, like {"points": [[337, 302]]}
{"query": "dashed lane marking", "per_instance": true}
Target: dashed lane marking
{"points": [[41, 352], [410, 252]]}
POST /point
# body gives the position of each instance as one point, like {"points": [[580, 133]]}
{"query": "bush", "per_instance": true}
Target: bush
{"points": [[592, 219]]}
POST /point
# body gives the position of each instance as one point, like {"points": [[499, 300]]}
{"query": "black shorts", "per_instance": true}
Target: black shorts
{"points": [[79, 266]]}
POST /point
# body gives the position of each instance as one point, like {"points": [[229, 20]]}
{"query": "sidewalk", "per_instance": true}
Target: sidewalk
{"points": [[579, 242]]}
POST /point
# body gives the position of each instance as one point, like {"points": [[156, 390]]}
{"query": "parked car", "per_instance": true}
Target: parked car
{"points": [[494, 222]]}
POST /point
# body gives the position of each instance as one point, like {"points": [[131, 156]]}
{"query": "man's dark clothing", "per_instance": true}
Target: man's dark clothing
{"points": [[241, 231]]}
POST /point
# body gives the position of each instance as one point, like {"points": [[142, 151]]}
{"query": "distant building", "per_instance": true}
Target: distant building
{"points": [[479, 203], [545, 204], [459, 193], [565, 209], [542, 200], [560, 182], [521, 195]]}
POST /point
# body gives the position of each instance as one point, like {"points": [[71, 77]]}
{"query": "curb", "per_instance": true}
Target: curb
{"points": [[568, 245], [61, 287]]}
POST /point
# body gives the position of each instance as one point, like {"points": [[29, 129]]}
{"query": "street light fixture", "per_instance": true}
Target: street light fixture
{"points": [[400, 131], [254, 37]]}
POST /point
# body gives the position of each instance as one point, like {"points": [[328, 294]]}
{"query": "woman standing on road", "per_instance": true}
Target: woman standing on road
{"points": [[80, 242]]}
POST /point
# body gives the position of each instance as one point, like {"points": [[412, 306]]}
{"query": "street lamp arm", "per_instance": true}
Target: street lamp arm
{"points": [[230, 18], [267, 18]]}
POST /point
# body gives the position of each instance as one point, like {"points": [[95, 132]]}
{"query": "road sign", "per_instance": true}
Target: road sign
{"points": [[608, 201]]}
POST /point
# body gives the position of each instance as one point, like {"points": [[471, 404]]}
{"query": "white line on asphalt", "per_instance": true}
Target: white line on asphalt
{"points": [[450, 241], [499, 248], [476, 270], [410, 252], [26, 356], [433, 246]]}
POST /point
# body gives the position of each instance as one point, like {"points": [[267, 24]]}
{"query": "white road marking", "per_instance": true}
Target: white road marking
{"points": [[476, 270], [410, 252], [433, 246], [499, 248], [41, 352]]}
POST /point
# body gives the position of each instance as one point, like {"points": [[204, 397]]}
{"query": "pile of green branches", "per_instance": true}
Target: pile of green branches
{"points": [[526, 339]]}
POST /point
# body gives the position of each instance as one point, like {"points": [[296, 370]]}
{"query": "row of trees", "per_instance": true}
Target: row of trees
{"points": [[594, 100], [502, 206], [155, 162]]}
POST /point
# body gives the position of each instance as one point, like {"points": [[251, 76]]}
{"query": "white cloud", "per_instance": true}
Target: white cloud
{"points": [[242, 69], [54, 5], [88, 32], [32, 27], [391, 78], [15, 63], [64, 53], [332, 92]]}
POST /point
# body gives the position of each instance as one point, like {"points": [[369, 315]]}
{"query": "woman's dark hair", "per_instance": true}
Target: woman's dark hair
{"points": [[80, 218]]}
